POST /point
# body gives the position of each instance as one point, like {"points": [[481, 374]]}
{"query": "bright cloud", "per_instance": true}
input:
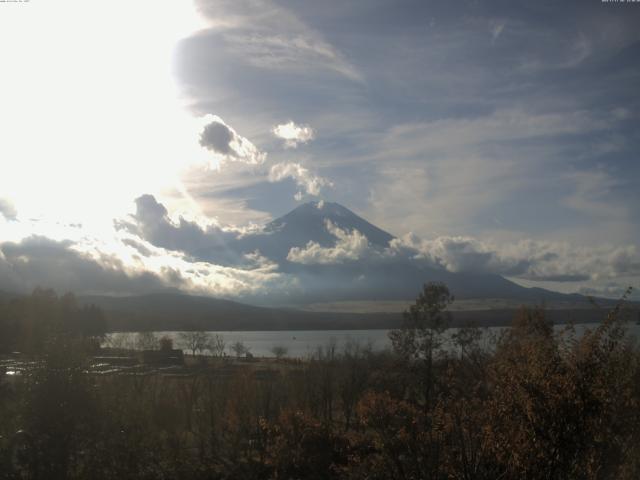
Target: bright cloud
{"points": [[293, 134], [7, 209], [350, 246], [131, 266], [304, 178]]}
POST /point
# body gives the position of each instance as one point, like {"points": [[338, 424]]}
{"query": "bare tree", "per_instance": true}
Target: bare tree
{"points": [[121, 340], [217, 345], [197, 341], [147, 341]]}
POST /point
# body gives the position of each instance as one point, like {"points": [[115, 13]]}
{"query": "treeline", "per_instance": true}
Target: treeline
{"points": [[27, 323], [535, 404]]}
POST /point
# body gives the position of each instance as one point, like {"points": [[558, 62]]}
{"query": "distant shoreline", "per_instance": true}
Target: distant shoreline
{"points": [[320, 321]]}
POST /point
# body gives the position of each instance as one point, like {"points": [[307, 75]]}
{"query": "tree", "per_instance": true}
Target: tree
{"points": [[166, 343], [467, 338], [239, 348], [421, 332], [354, 374], [147, 341], [217, 345], [121, 341], [60, 409], [195, 341], [279, 351], [27, 323], [92, 322], [562, 405], [424, 322]]}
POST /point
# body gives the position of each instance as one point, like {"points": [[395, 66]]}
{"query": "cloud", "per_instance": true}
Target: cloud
{"points": [[455, 254], [609, 290], [460, 174], [210, 259], [68, 266], [226, 194], [208, 243], [293, 134], [350, 246], [40, 261], [246, 259], [503, 125], [488, 137], [223, 140], [7, 209], [138, 246], [217, 136], [312, 184], [527, 259], [269, 36], [590, 194]]}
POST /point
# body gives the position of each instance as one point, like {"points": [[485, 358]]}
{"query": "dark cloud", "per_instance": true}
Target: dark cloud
{"points": [[211, 243], [217, 136], [220, 138], [142, 250], [576, 277], [148, 210], [40, 261]]}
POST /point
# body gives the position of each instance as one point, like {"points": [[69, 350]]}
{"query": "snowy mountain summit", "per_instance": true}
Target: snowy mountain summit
{"points": [[308, 223]]}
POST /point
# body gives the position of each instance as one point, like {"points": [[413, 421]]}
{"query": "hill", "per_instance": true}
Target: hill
{"points": [[168, 312]]}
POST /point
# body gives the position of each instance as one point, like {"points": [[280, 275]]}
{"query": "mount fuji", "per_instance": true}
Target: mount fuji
{"points": [[322, 227]]}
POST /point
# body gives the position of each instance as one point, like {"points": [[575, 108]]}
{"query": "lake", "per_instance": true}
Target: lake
{"points": [[304, 343]]}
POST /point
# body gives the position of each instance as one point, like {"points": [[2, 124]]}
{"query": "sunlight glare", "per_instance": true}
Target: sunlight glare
{"points": [[90, 114]]}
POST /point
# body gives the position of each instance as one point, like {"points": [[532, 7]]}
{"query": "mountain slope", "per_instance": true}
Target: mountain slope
{"points": [[308, 223], [175, 312], [377, 277]]}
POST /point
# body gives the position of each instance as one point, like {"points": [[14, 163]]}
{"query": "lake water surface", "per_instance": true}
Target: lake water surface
{"points": [[304, 343]]}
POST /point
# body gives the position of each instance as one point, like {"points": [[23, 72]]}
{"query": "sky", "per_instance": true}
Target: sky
{"points": [[500, 130]]}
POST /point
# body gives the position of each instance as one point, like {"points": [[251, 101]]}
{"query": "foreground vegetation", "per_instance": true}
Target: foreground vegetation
{"points": [[535, 405]]}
